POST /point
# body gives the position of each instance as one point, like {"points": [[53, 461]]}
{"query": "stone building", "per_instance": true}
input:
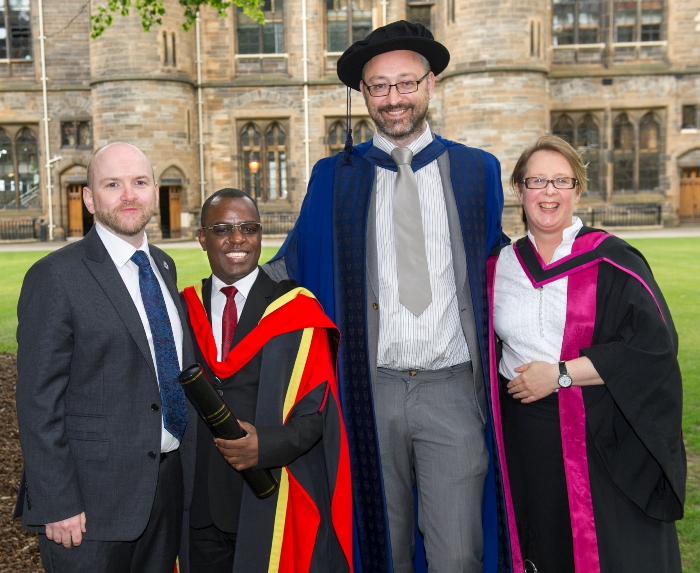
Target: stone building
{"points": [[620, 79]]}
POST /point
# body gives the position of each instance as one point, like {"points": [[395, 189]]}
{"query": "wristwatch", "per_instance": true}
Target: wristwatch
{"points": [[564, 378]]}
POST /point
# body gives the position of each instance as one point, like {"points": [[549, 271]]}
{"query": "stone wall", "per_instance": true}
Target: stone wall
{"points": [[498, 92]]}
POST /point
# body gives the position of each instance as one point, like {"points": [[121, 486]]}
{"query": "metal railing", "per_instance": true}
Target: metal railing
{"points": [[278, 223], [621, 215], [17, 229]]}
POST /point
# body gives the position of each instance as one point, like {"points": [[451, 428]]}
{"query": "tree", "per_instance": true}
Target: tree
{"points": [[151, 11]]}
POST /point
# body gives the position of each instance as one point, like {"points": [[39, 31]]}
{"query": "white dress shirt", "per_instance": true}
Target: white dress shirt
{"points": [[434, 339], [530, 321], [218, 302], [121, 252]]}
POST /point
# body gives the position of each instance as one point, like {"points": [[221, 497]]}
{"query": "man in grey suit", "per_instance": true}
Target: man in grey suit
{"points": [[108, 452], [393, 238]]}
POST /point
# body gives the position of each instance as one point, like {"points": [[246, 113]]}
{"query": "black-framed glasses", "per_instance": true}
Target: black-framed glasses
{"points": [[226, 229], [557, 182], [406, 87]]}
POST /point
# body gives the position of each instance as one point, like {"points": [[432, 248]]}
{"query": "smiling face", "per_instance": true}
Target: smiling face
{"points": [[233, 256], [398, 117], [123, 195], [549, 211]]}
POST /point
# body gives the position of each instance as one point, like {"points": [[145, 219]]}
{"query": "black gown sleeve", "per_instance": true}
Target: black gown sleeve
{"points": [[280, 445], [635, 418]]}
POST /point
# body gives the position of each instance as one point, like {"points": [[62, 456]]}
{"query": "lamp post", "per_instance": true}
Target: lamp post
{"points": [[254, 165]]}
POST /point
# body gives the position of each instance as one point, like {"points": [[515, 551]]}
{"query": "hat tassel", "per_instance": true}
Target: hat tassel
{"points": [[347, 150]]}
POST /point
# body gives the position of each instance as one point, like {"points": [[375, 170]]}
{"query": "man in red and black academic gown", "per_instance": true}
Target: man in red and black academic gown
{"points": [[270, 351]]}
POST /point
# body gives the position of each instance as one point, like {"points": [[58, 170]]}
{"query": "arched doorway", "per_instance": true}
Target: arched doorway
{"points": [[689, 203], [78, 219], [171, 203]]}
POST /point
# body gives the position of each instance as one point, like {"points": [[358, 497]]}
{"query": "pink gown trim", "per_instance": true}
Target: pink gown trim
{"points": [[578, 333], [516, 556]]}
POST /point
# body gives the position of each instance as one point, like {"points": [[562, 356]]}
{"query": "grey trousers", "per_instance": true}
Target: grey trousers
{"points": [[430, 433]]}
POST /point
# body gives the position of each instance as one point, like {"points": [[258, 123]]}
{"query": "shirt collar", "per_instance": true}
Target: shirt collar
{"points": [[569, 234], [120, 251], [243, 285], [416, 146]]}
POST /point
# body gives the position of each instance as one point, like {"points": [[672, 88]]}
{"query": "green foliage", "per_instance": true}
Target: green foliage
{"points": [[151, 11]]}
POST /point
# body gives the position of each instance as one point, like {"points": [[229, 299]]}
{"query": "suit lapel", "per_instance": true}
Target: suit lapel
{"points": [[169, 275], [459, 263], [100, 264]]}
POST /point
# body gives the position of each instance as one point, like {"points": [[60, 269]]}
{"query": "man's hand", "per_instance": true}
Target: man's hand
{"points": [[240, 454], [68, 532], [536, 381]]}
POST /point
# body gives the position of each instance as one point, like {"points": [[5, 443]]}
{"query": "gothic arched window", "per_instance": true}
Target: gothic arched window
{"points": [[564, 128], [7, 169], [276, 162], [649, 153], [588, 145], [623, 154]]}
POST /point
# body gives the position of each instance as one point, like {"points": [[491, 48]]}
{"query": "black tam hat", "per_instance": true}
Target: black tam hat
{"points": [[399, 35]]}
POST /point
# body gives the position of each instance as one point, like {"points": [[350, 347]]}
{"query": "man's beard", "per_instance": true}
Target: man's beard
{"points": [[405, 127], [128, 227]]}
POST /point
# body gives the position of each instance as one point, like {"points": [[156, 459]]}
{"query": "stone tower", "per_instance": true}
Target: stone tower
{"points": [[144, 92], [493, 95]]}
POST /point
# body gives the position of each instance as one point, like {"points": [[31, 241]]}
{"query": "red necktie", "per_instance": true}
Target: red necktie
{"points": [[229, 321]]}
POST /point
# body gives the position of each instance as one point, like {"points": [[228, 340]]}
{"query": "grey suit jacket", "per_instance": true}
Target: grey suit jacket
{"points": [[88, 402], [277, 270]]}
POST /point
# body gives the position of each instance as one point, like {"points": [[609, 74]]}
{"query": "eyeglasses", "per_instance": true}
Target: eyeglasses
{"points": [[226, 229], [407, 87], [557, 183]]}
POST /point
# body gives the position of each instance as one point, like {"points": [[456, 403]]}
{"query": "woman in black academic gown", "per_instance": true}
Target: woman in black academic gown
{"points": [[585, 386]]}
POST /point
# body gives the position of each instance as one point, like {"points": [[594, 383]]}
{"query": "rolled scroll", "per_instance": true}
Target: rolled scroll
{"points": [[222, 423]]}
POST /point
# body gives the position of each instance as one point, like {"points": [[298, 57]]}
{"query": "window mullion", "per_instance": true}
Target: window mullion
{"points": [[261, 39], [8, 41]]}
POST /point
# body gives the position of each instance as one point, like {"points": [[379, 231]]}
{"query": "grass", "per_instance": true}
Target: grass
{"points": [[192, 266], [676, 265]]}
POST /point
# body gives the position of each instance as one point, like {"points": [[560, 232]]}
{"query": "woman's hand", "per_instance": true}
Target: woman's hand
{"points": [[537, 380]]}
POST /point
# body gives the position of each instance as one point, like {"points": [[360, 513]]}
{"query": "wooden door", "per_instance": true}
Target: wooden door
{"points": [[75, 210], [689, 208], [175, 209]]}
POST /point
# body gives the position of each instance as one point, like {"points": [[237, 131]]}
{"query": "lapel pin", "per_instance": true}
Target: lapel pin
{"points": [[165, 264]]}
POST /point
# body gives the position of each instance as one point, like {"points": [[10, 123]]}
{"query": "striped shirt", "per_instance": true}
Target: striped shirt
{"points": [[434, 339]]}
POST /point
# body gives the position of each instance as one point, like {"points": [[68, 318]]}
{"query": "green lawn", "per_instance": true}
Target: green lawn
{"points": [[676, 265], [192, 266]]}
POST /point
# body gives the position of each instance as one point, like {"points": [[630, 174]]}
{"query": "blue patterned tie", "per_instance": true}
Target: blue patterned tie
{"points": [[172, 396]]}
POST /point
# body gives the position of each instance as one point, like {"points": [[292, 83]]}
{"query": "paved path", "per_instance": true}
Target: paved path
{"points": [[277, 240]]}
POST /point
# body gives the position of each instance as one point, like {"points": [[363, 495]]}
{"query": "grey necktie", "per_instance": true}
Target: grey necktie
{"points": [[409, 239]]}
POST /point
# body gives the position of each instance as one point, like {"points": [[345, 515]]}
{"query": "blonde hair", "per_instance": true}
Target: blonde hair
{"points": [[556, 145]]}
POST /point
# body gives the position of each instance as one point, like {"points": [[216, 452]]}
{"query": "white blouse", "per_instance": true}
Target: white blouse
{"points": [[530, 321]]}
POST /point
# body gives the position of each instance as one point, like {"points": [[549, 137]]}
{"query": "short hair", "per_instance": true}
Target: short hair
{"points": [[556, 145], [91, 163], [225, 193], [421, 57]]}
